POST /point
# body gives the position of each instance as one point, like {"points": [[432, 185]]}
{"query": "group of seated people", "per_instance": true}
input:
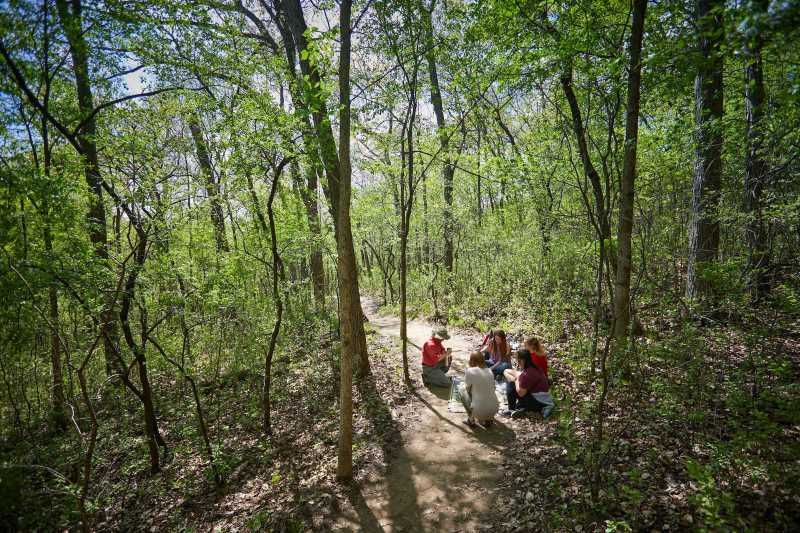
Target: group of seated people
{"points": [[527, 386]]}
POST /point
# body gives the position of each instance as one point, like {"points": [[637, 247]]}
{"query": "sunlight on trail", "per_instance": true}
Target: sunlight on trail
{"points": [[441, 477]]}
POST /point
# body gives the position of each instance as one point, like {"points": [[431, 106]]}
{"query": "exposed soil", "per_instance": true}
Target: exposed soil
{"points": [[443, 474]]}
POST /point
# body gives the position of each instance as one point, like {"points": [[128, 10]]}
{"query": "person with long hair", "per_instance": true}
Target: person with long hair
{"points": [[527, 389], [477, 392], [538, 355], [497, 352]]}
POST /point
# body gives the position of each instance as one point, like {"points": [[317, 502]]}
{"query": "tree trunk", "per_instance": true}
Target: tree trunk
{"points": [[704, 225], [583, 149], [212, 186], [338, 180], [154, 439], [627, 185], [350, 319], [308, 193], [57, 395], [755, 165], [72, 23], [447, 167], [277, 267]]}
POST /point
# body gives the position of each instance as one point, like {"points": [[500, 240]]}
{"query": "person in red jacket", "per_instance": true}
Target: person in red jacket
{"points": [[538, 355], [436, 359]]}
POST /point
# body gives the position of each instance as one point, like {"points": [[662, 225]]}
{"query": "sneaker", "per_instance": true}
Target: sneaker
{"points": [[518, 413], [506, 412]]}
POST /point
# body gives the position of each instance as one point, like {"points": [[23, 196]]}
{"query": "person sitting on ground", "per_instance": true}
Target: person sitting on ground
{"points": [[497, 352], [527, 389], [477, 392], [538, 355], [436, 359]]}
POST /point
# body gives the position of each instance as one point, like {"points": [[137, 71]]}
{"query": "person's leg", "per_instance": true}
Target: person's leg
{"points": [[435, 376], [511, 395], [465, 398], [529, 403], [500, 369]]}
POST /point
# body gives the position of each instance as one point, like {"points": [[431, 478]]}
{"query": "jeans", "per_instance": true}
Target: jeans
{"points": [[527, 402], [498, 370]]}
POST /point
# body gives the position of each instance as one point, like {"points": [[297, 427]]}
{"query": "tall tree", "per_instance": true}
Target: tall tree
{"points": [[337, 172], [627, 183], [755, 167], [448, 169], [349, 306], [212, 183], [704, 223], [72, 23]]}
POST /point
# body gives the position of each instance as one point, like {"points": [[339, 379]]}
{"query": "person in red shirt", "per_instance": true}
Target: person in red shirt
{"points": [[436, 359], [538, 355], [527, 389]]}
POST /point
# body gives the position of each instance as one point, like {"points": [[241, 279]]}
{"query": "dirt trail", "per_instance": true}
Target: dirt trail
{"points": [[439, 479]]}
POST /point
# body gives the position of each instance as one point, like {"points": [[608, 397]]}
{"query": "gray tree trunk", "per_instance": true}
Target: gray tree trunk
{"points": [[704, 224]]}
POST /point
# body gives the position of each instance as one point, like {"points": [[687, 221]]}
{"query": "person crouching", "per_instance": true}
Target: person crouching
{"points": [[436, 359], [477, 392], [527, 389]]}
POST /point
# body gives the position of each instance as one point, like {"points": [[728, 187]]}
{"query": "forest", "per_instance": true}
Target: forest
{"points": [[229, 228]]}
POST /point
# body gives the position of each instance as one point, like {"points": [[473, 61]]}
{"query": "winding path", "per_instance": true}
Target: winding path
{"points": [[441, 477]]}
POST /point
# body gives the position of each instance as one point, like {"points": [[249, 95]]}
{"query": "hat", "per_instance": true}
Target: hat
{"points": [[440, 333]]}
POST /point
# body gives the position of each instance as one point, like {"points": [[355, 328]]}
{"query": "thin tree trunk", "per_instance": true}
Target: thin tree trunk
{"points": [[277, 268], [351, 323], [212, 186], [583, 149], [627, 185], [447, 167], [755, 165], [338, 187], [154, 438], [72, 23], [57, 395], [704, 224]]}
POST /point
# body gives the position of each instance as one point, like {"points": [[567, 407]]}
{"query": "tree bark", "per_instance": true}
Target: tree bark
{"points": [[627, 184], [704, 225], [212, 186], [154, 439], [71, 21], [337, 173], [277, 268], [308, 193], [448, 169], [583, 149], [755, 166], [351, 323]]}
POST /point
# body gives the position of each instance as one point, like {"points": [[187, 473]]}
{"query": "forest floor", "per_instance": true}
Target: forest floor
{"points": [[689, 446]]}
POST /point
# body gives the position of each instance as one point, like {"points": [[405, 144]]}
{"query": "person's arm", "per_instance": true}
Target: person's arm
{"points": [[521, 391], [445, 353]]}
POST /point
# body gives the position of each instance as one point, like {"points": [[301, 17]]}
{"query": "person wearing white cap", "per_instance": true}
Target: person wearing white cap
{"points": [[436, 359]]}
